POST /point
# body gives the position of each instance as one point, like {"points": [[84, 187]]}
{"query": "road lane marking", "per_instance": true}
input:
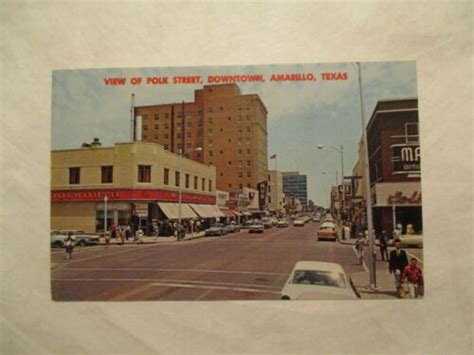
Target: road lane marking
{"points": [[204, 295], [212, 288], [181, 270], [182, 282], [131, 293], [363, 261]]}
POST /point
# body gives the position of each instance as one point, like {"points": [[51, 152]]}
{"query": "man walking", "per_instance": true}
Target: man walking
{"points": [[383, 245], [360, 244], [413, 275], [397, 263]]}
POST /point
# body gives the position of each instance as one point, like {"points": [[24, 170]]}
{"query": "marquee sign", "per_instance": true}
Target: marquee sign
{"points": [[406, 158], [91, 195], [399, 198]]}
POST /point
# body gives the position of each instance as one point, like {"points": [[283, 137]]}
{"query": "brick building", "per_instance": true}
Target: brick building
{"points": [[230, 127], [394, 164]]}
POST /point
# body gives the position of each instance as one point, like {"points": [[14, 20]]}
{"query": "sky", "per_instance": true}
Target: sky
{"points": [[301, 114]]}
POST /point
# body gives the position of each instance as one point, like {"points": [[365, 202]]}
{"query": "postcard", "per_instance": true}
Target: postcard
{"points": [[258, 182]]}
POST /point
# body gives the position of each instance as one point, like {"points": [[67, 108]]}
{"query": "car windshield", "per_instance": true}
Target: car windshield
{"points": [[319, 277]]}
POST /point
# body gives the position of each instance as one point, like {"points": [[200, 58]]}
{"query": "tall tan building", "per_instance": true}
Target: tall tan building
{"points": [[230, 127], [275, 196]]}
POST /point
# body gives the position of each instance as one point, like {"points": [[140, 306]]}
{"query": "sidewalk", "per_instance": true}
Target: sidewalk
{"points": [[152, 240]]}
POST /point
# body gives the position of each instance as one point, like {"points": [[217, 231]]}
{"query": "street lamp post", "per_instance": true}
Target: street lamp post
{"points": [[368, 201], [105, 215]]}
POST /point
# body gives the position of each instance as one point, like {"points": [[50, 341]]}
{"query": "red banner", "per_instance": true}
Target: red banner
{"points": [[128, 195]]}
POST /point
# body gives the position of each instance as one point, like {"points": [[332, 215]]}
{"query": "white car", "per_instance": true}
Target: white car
{"points": [[299, 222], [317, 280], [58, 238]]}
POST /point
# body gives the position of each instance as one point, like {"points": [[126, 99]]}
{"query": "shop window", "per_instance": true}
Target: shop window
{"points": [[144, 173], [195, 183], [107, 174], [74, 176], [210, 185], [186, 181], [203, 184], [176, 178], [166, 175]]}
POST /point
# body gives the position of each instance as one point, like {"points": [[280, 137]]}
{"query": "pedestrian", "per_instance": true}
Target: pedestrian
{"points": [[122, 236], [397, 263], [360, 244], [128, 232], [138, 236], [383, 245], [69, 243], [414, 277], [113, 228]]}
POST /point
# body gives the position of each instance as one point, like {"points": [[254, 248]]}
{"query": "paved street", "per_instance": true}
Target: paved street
{"points": [[234, 267]]}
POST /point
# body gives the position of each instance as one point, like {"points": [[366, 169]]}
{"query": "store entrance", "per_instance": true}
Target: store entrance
{"points": [[410, 215]]}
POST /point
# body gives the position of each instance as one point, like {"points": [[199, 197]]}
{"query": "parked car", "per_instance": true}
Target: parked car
{"points": [[299, 222], [274, 221], [232, 228], [409, 241], [317, 280], [215, 230], [267, 224], [316, 219], [58, 238], [282, 223], [327, 230], [247, 224], [256, 228]]}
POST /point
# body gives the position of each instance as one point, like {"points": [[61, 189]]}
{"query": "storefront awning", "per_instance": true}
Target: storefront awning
{"points": [[207, 211], [228, 213], [171, 210]]}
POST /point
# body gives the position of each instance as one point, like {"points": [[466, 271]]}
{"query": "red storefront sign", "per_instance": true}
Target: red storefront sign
{"points": [[128, 195]]}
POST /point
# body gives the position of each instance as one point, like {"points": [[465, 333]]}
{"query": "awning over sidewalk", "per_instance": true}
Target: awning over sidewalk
{"points": [[206, 211], [228, 213], [171, 210]]}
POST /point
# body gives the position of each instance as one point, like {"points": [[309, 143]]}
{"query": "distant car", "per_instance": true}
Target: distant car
{"points": [[282, 223], [232, 228], [256, 228], [247, 224], [299, 222], [327, 230], [267, 224], [215, 231], [58, 238], [409, 241], [274, 221], [316, 219], [317, 280]]}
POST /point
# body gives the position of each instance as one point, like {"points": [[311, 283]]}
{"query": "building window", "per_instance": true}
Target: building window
{"points": [[188, 134], [240, 151], [248, 118], [179, 146], [210, 119], [222, 129], [241, 175], [210, 130], [145, 127], [166, 176], [248, 162], [189, 124], [248, 151], [167, 126], [248, 140], [240, 129], [145, 137], [199, 123], [203, 184], [210, 185], [230, 185], [155, 136], [230, 140], [248, 128], [157, 116], [411, 132], [210, 141], [188, 145], [178, 135], [107, 174], [157, 127], [269, 199], [144, 173], [229, 118], [187, 181], [269, 188], [221, 174], [222, 108], [229, 162], [249, 174], [195, 183], [144, 117], [179, 123], [210, 109], [241, 186], [248, 185], [210, 153], [176, 178], [74, 176]]}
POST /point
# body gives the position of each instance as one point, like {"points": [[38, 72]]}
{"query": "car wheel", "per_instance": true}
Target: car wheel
{"points": [[285, 297], [82, 243]]}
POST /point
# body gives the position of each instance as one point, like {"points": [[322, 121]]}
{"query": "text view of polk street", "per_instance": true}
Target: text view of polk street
{"points": [[281, 182]]}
